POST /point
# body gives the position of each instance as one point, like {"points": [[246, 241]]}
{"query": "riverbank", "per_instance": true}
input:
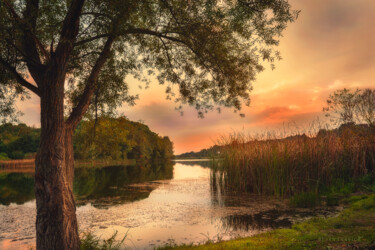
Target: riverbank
{"points": [[353, 228], [26, 164]]}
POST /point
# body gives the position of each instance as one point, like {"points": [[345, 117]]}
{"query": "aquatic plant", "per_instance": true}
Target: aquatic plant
{"points": [[91, 242], [297, 164]]}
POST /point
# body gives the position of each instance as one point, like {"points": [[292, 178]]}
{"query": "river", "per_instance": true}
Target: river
{"points": [[152, 206]]}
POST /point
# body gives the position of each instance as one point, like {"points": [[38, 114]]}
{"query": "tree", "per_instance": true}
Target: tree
{"points": [[78, 52], [103, 143], [342, 106], [366, 106]]}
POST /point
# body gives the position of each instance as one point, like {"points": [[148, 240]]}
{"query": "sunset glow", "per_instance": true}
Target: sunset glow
{"points": [[328, 48]]}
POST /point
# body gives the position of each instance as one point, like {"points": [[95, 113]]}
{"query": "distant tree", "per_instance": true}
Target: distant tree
{"points": [[342, 106], [18, 141], [103, 143], [83, 49], [119, 138], [366, 106]]}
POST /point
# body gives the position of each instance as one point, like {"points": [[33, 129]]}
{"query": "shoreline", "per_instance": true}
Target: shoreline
{"points": [[352, 228]]}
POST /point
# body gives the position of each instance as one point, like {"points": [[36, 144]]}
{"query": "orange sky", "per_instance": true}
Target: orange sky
{"points": [[330, 46]]}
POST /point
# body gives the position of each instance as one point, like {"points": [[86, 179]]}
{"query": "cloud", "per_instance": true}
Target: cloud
{"points": [[30, 109], [329, 47]]}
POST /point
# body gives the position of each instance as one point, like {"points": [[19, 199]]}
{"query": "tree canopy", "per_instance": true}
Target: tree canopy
{"points": [[206, 53], [18, 141], [105, 138], [76, 54], [119, 138]]}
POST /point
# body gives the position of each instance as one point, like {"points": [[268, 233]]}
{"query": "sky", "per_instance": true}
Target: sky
{"points": [[329, 47]]}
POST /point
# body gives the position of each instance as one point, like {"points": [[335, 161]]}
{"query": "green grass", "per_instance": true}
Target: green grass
{"points": [[332, 194], [91, 242], [353, 228]]}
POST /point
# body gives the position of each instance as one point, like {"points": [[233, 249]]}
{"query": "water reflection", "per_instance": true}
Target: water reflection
{"points": [[188, 206], [16, 188], [259, 221], [101, 187]]}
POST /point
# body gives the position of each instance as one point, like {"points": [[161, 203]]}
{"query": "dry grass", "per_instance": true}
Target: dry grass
{"points": [[296, 164], [30, 163], [25, 163]]}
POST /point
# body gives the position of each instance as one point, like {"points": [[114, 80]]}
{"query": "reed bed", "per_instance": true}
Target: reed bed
{"points": [[296, 164]]}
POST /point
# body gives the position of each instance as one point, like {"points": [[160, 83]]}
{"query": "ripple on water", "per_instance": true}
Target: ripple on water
{"points": [[184, 209]]}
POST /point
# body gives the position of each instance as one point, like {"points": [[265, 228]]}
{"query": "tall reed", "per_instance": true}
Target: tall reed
{"points": [[296, 164]]}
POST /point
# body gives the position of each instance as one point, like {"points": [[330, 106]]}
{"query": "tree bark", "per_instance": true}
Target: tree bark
{"points": [[56, 223], [69, 155]]}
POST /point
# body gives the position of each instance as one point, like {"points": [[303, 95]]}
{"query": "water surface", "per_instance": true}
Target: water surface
{"points": [[152, 205]]}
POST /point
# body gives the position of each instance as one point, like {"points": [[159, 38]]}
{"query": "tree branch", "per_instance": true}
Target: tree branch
{"points": [[84, 102], [97, 14], [27, 25], [19, 78], [69, 31], [30, 18], [30, 42], [159, 34], [81, 42]]}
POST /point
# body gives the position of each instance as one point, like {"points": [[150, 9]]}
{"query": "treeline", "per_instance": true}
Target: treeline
{"points": [[18, 141], [204, 153], [119, 138], [104, 138]]}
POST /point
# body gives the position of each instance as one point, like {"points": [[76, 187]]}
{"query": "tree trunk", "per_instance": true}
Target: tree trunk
{"points": [[69, 155], [56, 223]]}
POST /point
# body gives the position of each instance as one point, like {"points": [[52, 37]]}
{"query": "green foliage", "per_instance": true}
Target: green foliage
{"points": [[91, 242], [209, 52], [204, 153], [119, 138], [3, 156], [105, 138], [17, 141]]}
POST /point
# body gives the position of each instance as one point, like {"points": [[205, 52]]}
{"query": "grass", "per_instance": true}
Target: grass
{"points": [[305, 200], [353, 228], [91, 242], [298, 165]]}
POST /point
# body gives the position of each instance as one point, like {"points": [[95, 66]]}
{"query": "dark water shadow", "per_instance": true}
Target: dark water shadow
{"points": [[102, 186], [260, 221]]}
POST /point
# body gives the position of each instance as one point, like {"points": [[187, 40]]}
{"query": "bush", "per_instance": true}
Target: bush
{"points": [[4, 156], [17, 154]]}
